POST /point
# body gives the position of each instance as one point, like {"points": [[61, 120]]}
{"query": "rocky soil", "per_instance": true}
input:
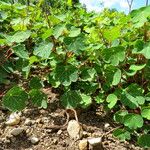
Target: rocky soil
{"points": [[30, 129]]}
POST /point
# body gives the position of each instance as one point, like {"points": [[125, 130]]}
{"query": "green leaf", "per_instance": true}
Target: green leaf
{"points": [[66, 74], [33, 59], [133, 121], [144, 51], [112, 100], [87, 74], [44, 104], [111, 34], [137, 67], [119, 116], [132, 96], [35, 83], [58, 30], [74, 32], [51, 79], [86, 101], [15, 99], [147, 96], [38, 98], [134, 68], [99, 98], [114, 55], [19, 37], [54, 19], [112, 75], [146, 113], [116, 77], [146, 71], [71, 99], [75, 44], [144, 141], [47, 34], [43, 50], [20, 51], [87, 87], [140, 16], [122, 134], [69, 2]]}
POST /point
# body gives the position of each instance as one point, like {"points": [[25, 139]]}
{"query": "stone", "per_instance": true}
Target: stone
{"points": [[29, 131], [106, 125], [16, 131], [45, 120], [94, 141], [86, 134], [7, 141], [13, 119], [74, 129], [59, 132], [34, 140], [83, 144], [28, 122], [39, 120], [49, 131], [55, 141]]}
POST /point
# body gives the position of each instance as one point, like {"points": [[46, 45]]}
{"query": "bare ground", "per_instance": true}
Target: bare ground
{"points": [[93, 120]]}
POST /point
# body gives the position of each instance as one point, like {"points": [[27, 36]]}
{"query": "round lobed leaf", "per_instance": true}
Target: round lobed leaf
{"points": [[15, 99]]}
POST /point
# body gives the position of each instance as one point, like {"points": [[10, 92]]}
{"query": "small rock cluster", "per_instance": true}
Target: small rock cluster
{"points": [[75, 131], [15, 130], [91, 143]]}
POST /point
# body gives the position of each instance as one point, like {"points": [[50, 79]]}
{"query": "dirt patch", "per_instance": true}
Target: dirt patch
{"points": [[93, 120]]}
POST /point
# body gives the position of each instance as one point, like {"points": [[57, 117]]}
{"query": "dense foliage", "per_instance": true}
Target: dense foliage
{"points": [[91, 58]]}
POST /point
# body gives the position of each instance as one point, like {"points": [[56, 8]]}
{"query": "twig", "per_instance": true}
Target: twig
{"points": [[105, 134]]}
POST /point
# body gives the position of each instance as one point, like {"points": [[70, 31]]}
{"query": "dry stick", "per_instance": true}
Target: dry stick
{"points": [[105, 134], [75, 114], [57, 127], [64, 126]]}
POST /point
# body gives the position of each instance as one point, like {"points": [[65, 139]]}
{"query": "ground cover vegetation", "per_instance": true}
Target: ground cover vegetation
{"points": [[91, 58]]}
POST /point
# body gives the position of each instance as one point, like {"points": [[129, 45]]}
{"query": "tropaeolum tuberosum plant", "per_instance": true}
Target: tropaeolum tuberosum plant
{"points": [[101, 58]]}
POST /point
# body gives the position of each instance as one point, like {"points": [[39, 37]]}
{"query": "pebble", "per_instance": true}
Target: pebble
{"points": [[40, 125], [95, 141], [86, 134], [49, 131], [106, 125], [13, 119], [59, 132], [34, 140], [6, 141], [39, 120], [28, 122], [29, 131], [45, 120], [42, 111], [83, 144], [16, 131], [55, 141], [74, 129]]}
